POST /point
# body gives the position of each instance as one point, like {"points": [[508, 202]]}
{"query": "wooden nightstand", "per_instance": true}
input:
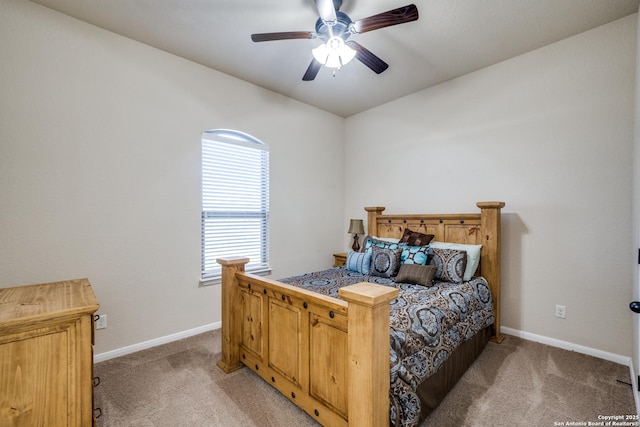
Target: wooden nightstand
{"points": [[339, 259]]}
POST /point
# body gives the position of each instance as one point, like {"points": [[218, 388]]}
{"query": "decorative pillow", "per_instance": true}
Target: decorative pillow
{"points": [[416, 274], [375, 241], [414, 254], [359, 261], [413, 238], [450, 264], [384, 261], [473, 255]]}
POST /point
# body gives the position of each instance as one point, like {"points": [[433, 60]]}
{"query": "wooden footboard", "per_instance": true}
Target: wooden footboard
{"points": [[328, 356]]}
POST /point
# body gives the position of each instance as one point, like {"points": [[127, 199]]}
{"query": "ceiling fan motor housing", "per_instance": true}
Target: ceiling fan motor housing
{"points": [[340, 28]]}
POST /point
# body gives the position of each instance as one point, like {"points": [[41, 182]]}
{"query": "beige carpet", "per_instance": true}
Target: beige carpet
{"points": [[516, 383]]}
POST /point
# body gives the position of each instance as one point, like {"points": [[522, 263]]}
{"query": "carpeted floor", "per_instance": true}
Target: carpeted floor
{"points": [[516, 383]]}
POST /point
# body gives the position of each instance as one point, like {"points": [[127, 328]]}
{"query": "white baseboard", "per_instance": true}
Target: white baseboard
{"points": [[155, 342], [612, 357]]}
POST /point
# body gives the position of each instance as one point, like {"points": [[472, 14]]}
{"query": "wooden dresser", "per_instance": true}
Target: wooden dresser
{"points": [[46, 354]]}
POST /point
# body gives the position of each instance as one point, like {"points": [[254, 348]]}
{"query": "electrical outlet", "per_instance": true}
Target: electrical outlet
{"points": [[561, 311], [101, 321]]}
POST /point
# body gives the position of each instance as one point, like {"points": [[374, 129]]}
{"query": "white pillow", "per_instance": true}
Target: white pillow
{"points": [[473, 255], [387, 239]]}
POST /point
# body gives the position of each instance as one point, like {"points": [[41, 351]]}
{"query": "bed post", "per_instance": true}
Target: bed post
{"points": [[490, 256], [231, 315], [368, 352], [372, 219]]}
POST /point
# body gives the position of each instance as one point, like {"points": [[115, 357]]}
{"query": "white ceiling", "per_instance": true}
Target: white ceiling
{"points": [[451, 38]]}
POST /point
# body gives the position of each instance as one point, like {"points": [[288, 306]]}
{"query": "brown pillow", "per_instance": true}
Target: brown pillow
{"points": [[416, 274], [413, 238]]}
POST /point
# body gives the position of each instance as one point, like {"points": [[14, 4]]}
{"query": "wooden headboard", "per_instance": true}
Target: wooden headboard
{"points": [[481, 228]]}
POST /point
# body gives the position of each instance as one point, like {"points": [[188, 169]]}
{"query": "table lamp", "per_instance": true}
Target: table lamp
{"points": [[356, 227]]}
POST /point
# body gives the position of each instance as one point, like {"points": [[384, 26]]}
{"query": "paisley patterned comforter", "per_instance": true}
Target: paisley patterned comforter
{"points": [[427, 324]]}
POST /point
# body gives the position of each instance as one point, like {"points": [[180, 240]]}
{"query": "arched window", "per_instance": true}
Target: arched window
{"points": [[235, 201]]}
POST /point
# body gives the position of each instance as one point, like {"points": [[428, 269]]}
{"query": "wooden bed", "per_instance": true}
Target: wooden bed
{"points": [[330, 356]]}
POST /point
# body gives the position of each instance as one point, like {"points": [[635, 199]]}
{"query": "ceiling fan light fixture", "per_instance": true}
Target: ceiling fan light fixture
{"points": [[334, 54]]}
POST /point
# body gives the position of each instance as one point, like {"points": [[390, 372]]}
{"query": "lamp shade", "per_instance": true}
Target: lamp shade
{"points": [[356, 227]]}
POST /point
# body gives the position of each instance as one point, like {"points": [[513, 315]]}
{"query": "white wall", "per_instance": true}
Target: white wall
{"points": [[550, 134], [100, 171]]}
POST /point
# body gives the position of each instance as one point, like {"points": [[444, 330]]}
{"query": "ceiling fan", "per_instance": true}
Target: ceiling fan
{"points": [[334, 28]]}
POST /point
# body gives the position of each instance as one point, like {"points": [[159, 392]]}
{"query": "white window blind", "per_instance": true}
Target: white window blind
{"points": [[235, 201]]}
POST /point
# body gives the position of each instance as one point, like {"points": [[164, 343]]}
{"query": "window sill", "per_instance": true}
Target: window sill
{"points": [[216, 280]]}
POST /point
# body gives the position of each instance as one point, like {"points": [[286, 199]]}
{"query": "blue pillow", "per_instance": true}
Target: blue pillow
{"points": [[359, 261], [370, 242], [414, 254]]}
